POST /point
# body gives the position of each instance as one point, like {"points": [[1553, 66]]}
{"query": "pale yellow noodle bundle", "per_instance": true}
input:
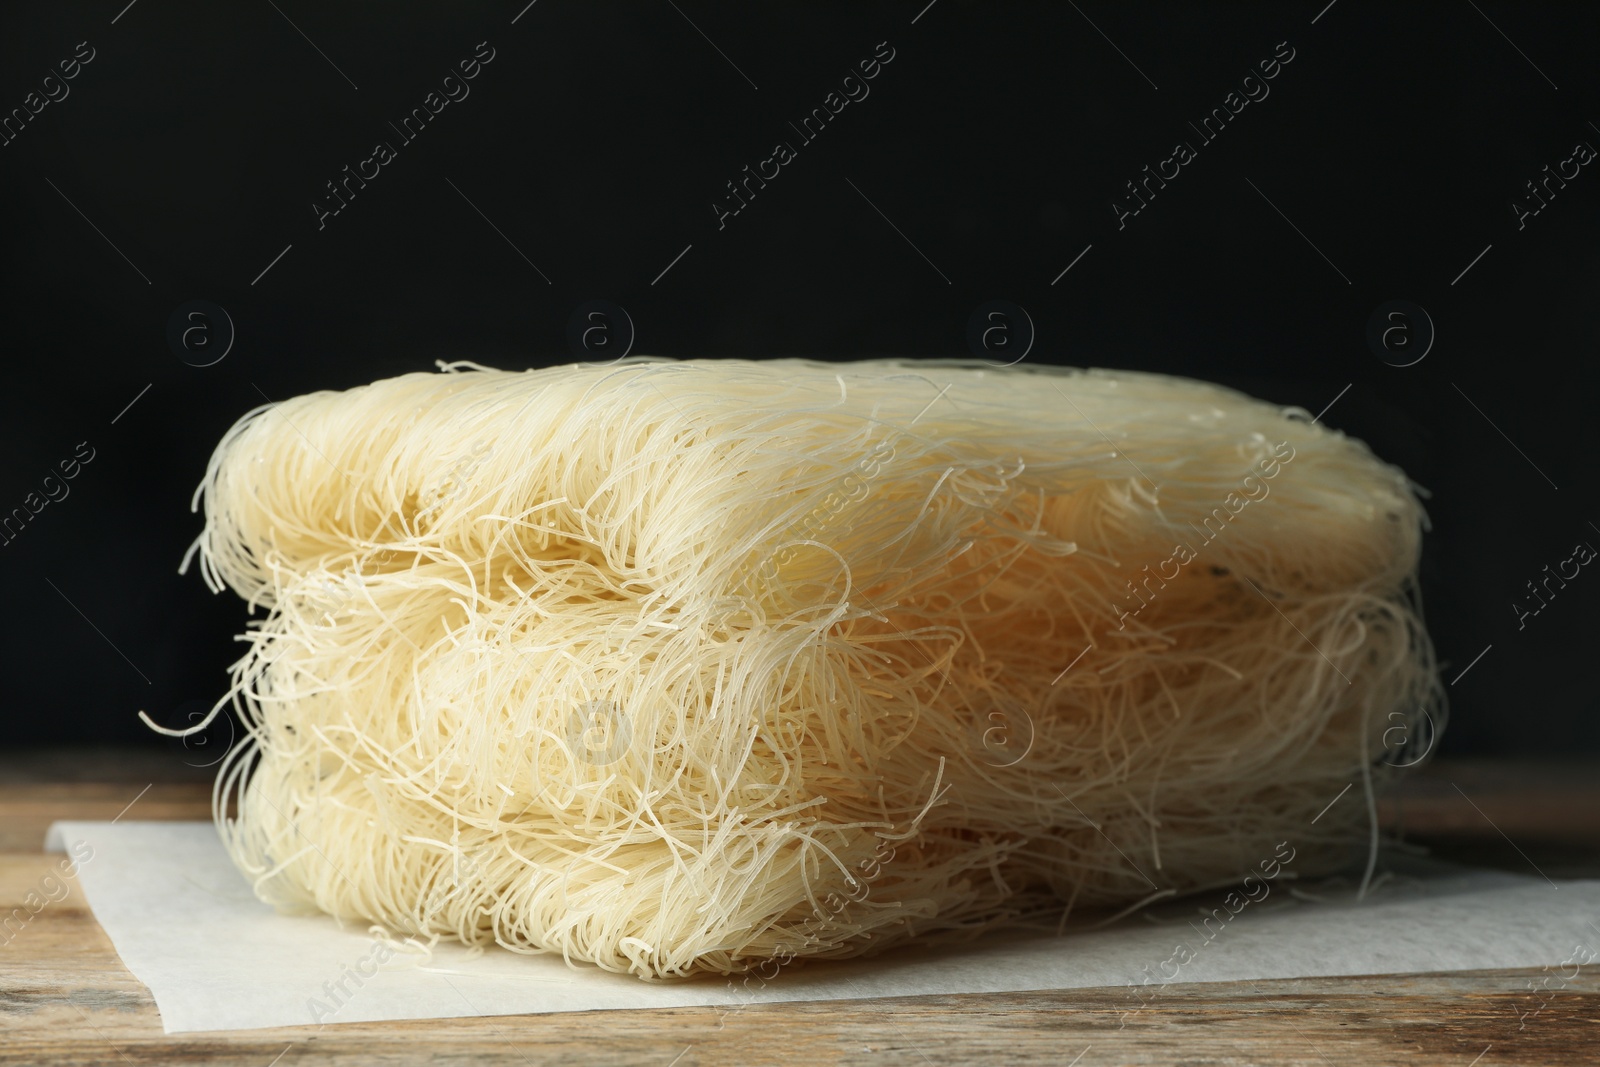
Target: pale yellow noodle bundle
{"points": [[678, 666]]}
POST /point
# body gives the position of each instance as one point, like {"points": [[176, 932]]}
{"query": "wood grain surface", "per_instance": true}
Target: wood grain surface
{"points": [[66, 998]]}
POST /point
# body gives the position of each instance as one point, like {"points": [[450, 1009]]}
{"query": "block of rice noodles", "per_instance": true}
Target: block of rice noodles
{"points": [[684, 666]]}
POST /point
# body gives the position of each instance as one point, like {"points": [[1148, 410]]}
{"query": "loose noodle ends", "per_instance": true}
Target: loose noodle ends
{"points": [[679, 667]]}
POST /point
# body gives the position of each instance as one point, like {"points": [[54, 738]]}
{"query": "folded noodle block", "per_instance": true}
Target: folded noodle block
{"points": [[680, 667]]}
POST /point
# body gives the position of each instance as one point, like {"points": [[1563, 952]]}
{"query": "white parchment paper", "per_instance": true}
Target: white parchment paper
{"points": [[186, 924]]}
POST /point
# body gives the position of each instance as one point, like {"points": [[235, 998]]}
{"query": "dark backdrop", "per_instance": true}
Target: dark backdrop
{"points": [[183, 162]]}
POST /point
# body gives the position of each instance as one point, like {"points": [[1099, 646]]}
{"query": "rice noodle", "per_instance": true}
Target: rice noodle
{"points": [[675, 667]]}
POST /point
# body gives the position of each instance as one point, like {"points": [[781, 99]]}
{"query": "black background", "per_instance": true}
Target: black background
{"points": [[984, 161]]}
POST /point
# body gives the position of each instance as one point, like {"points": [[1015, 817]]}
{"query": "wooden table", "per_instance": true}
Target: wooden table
{"points": [[66, 998]]}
